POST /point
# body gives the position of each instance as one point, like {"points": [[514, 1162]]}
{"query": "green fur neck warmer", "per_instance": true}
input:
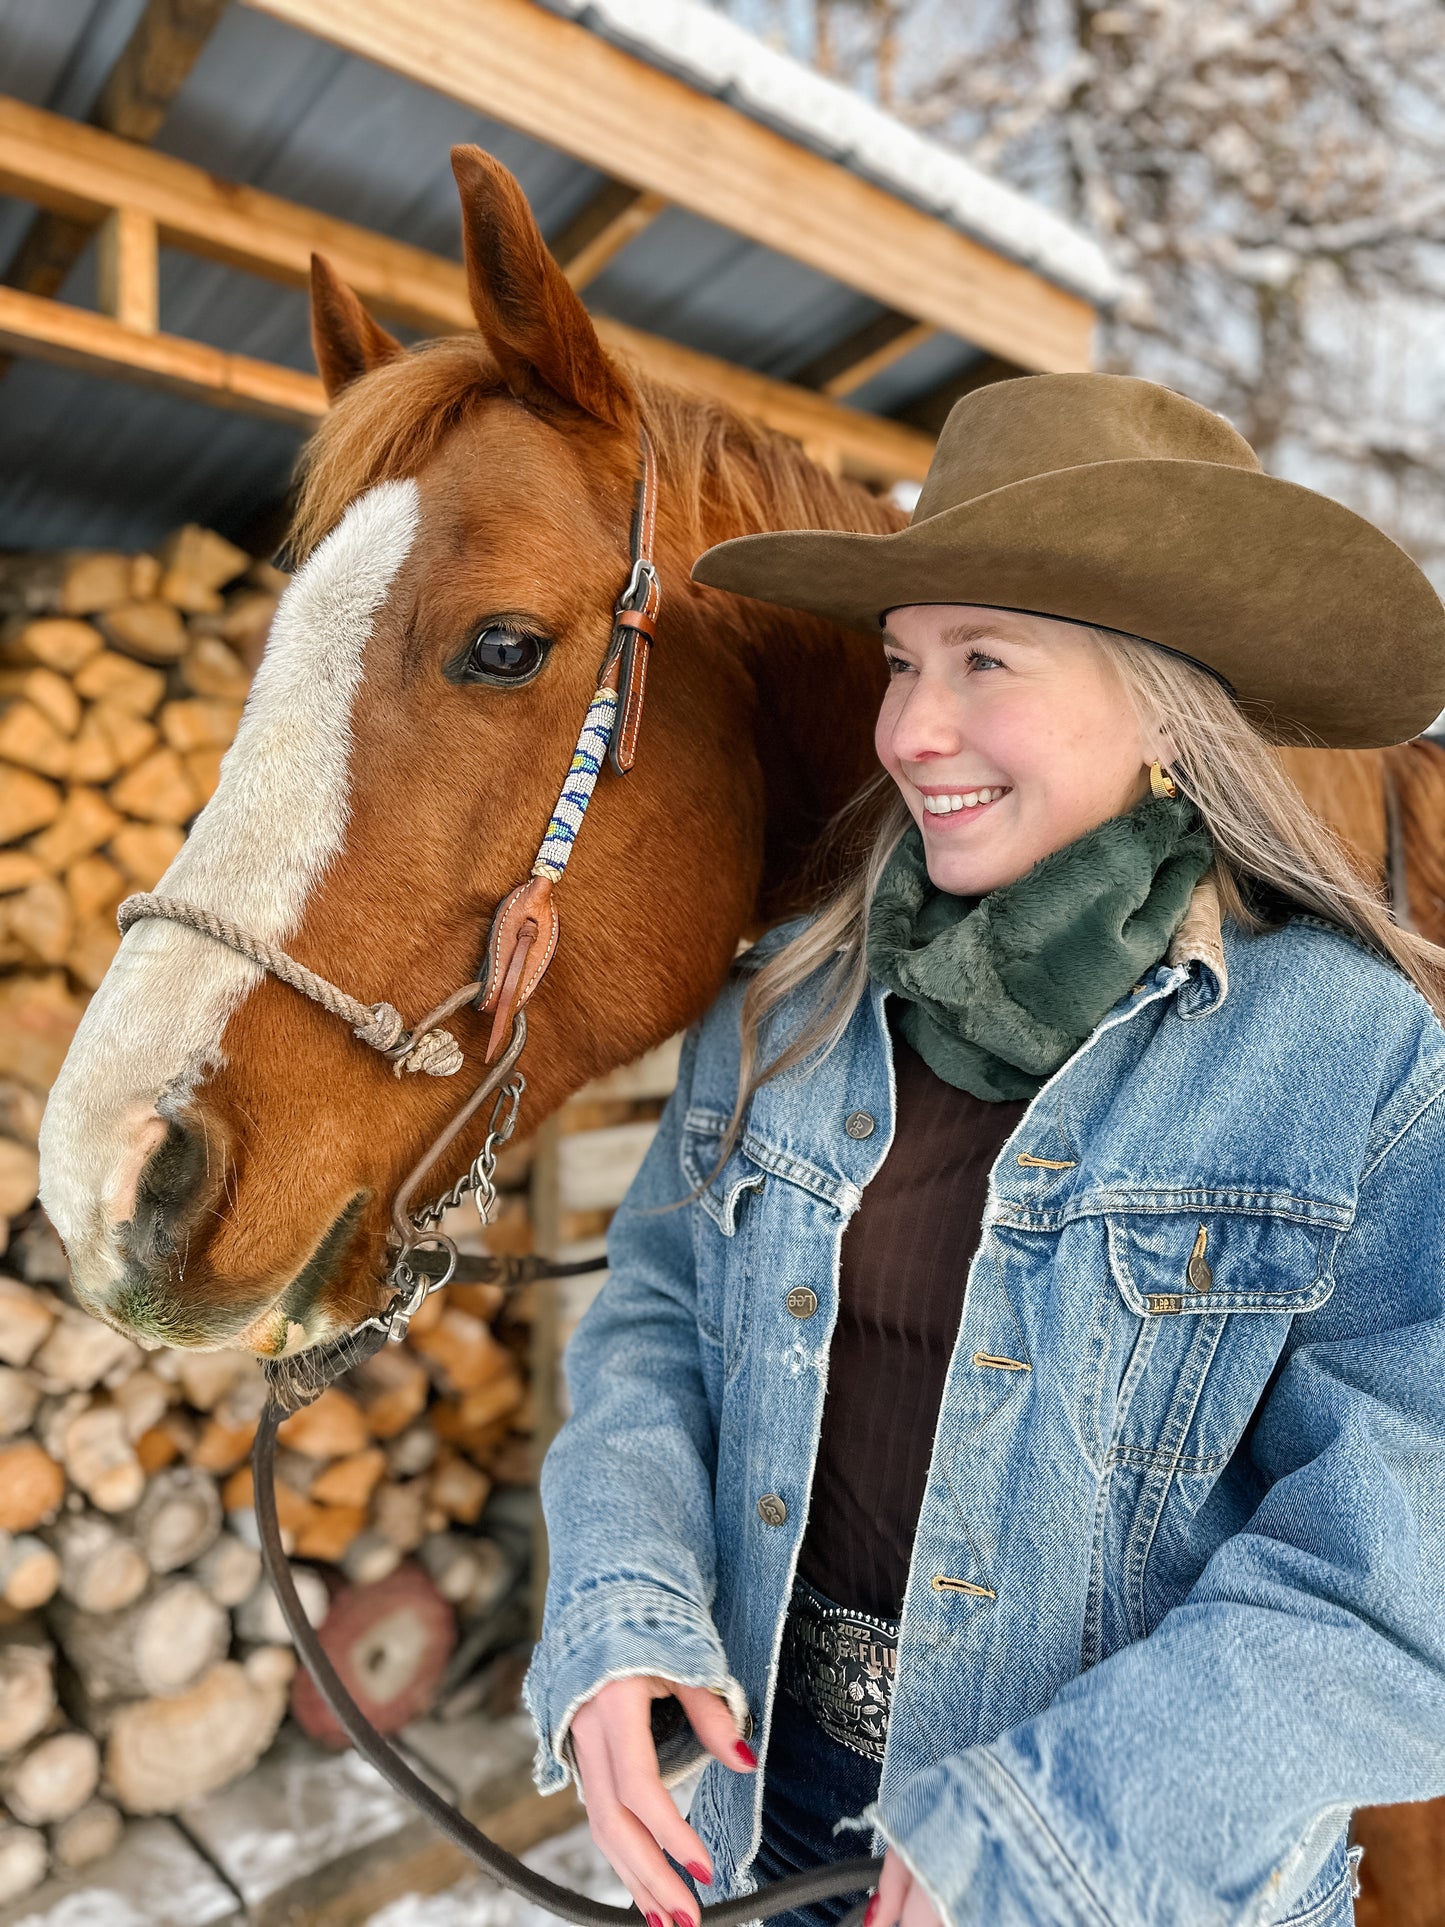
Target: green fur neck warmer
{"points": [[999, 990]]}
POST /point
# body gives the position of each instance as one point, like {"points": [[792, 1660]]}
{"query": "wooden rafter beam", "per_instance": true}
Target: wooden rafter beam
{"points": [[853, 363], [82, 173], [615, 216], [845, 439], [555, 80], [153, 65], [32, 324], [149, 72], [862, 445], [150, 200]]}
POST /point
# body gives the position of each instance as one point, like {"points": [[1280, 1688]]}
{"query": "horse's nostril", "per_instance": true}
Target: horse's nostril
{"points": [[166, 1190]]}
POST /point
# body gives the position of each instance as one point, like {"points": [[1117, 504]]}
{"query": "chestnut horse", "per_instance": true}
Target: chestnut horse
{"points": [[219, 1154]]}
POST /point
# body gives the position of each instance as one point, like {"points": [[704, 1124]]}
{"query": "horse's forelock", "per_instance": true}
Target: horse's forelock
{"points": [[386, 427]]}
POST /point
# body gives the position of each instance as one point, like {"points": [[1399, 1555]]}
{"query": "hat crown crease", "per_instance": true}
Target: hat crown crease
{"points": [[1054, 422]]}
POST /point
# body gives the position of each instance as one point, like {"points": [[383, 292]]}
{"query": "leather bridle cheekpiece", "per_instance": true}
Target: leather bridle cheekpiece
{"points": [[521, 943]]}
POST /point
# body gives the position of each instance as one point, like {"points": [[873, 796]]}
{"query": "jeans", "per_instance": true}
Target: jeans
{"points": [[810, 1782]]}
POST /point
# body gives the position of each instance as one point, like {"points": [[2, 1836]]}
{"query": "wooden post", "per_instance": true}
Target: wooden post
{"points": [[129, 270]]}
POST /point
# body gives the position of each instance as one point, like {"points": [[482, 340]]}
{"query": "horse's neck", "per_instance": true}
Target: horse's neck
{"points": [[817, 686], [818, 693]]}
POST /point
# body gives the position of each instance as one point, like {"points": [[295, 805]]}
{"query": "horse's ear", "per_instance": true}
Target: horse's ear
{"points": [[344, 338], [526, 308]]}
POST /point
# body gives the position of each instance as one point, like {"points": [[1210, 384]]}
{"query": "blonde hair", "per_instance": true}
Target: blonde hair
{"points": [[1263, 829]]}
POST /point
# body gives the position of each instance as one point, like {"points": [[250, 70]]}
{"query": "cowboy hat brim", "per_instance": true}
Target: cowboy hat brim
{"points": [[1329, 633]]}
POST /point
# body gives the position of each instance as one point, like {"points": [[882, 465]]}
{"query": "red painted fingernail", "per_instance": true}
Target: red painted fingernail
{"points": [[746, 1754], [684, 1920], [870, 1916], [698, 1872], [656, 1920]]}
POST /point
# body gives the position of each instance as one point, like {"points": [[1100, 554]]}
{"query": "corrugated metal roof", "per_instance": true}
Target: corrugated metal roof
{"points": [[85, 460]]}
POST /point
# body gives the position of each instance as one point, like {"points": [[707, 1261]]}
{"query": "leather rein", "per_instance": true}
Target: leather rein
{"points": [[521, 942]]}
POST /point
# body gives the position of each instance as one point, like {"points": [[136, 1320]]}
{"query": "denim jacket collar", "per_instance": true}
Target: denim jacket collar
{"points": [[1200, 939]]}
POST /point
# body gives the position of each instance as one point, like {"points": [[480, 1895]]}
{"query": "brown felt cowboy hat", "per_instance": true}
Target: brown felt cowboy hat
{"points": [[1108, 500]]}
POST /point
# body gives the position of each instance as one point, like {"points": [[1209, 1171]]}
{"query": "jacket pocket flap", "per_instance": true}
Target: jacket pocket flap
{"points": [[716, 1190], [1211, 1261], [753, 1159]]}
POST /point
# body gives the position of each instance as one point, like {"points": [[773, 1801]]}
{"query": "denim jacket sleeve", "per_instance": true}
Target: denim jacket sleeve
{"points": [[1185, 1780], [628, 1482]]}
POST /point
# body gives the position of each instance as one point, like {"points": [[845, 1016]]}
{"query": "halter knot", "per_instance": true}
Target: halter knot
{"points": [[384, 1027], [435, 1052]]}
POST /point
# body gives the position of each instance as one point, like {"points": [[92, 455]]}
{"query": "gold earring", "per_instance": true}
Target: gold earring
{"points": [[1160, 781]]}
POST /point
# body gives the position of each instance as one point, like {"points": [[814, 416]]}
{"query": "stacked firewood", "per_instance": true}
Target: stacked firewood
{"points": [[121, 682], [143, 1662]]}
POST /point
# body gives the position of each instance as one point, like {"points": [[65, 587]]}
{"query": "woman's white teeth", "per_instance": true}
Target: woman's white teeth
{"points": [[965, 800]]}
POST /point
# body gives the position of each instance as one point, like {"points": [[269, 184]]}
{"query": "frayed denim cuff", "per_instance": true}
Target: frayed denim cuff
{"points": [[981, 1850], [621, 1631]]}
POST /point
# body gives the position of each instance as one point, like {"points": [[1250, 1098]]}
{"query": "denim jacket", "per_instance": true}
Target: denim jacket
{"points": [[1175, 1602]]}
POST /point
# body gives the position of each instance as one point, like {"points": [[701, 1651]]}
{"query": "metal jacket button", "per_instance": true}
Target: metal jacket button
{"points": [[771, 1509], [801, 1302], [859, 1124]]}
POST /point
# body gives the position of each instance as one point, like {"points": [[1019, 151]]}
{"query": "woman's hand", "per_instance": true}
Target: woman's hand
{"points": [[629, 1810], [900, 1901]]}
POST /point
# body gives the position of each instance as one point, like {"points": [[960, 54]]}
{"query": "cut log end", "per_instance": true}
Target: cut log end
{"points": [[159, 1645], [24, 1860], [390, 1643], [27, 1692], [87, 1836], [162, 1754], [52, 1780]]}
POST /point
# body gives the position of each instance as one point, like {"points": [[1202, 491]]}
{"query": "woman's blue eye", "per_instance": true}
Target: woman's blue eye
{"points": [[896, 665], [978, 659]]}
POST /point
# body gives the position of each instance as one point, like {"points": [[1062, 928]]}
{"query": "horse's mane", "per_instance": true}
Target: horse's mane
{"points": [[722, 473], [1418, 769]]}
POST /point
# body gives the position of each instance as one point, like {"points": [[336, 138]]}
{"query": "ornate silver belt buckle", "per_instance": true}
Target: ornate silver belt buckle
{"points": [[840, 1666]]}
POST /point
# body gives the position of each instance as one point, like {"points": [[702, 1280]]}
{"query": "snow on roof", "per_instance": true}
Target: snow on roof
{"points": [[715, 55]]}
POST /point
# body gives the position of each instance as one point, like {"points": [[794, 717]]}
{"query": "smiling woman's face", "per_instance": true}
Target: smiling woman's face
{"points": [[1008, 735]]}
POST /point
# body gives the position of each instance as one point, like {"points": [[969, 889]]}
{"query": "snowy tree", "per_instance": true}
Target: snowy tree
{"points": [[1269, 174]]}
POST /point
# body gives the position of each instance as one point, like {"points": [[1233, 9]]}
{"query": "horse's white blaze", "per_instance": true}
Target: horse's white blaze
{"points": [[257, 850]]}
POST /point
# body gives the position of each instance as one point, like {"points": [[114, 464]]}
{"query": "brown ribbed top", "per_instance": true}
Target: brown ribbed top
{"points": [[904, 1263]]}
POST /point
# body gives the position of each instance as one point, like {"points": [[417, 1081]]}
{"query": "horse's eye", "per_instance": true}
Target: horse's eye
{"points": [[504, 655]]}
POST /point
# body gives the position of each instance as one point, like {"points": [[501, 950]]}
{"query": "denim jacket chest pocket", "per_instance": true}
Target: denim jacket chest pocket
{"points": [[1191, 1316], [723, 1204], [1196, 1312]]}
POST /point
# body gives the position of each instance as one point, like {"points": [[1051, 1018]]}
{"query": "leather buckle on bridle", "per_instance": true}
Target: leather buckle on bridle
{"points": [[632, 631]]}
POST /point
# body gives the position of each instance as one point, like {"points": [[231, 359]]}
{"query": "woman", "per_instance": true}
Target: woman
{"points": [[1027, 1426]]}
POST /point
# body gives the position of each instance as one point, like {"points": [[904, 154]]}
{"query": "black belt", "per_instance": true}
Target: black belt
{"points": [[839, 1666]]}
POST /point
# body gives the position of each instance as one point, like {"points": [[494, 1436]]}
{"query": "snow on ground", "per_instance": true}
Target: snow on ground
{"points": [[570, 1859]]}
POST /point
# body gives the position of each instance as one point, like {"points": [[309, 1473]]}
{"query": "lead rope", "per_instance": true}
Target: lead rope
{"points": [[520, 945]]}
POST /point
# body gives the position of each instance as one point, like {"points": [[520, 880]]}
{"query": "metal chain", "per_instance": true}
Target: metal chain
{"points": [[414, 1287], [480, 1175]]}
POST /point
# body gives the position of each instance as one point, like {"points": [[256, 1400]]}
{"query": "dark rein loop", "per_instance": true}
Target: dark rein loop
{"points": [[798, 1890], [521, 942]]}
